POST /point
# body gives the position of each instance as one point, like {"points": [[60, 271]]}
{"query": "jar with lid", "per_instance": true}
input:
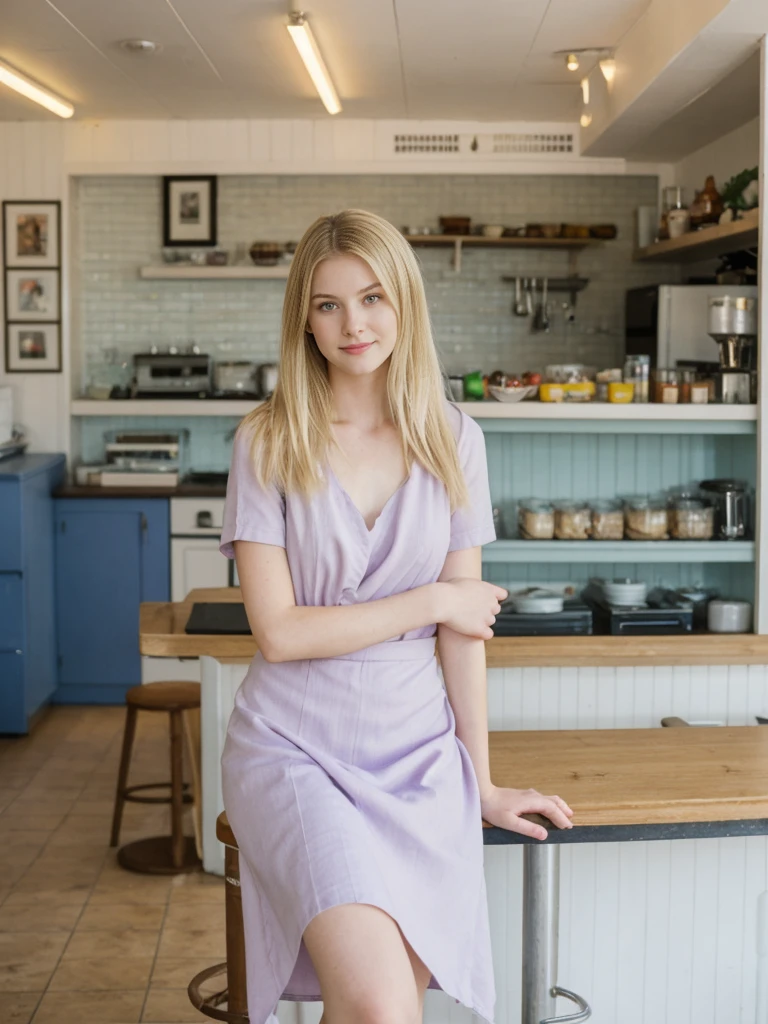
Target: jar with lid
{"points": [[665, 385], [672, 198], [607, 520], [536, 519], [646, 518], [637, 372], [691, 518], [573, 520], [686, 380]]}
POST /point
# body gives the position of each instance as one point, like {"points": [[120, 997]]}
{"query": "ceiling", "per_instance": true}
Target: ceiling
{"points": [[414, 59]]}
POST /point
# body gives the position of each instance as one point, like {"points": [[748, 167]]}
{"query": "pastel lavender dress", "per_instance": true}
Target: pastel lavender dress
{"points": [[344, 780]]}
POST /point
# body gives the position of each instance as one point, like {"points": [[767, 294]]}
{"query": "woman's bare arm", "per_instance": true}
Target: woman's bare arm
{"points": [[285, 631]]}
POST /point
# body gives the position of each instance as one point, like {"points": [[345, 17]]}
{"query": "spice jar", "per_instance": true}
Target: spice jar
{"points": [[536, 519], [686, 379], [665, 385], [573, 520], [699, 392], [646, 518], [637, 373], [607, 520], [691, 519]]}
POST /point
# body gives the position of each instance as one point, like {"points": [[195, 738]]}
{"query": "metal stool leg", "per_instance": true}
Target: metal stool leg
{"points": [[129, 733], [541, 906]]}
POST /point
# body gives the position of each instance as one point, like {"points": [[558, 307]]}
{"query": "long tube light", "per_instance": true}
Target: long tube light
{"points": [[301, 34], [34, 92]]}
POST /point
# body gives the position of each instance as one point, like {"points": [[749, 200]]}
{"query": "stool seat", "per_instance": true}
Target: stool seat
{"points": [[175, 696], [224, 832]]}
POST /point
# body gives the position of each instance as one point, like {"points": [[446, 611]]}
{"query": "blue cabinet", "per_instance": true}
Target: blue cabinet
{"points": [[111, 554], [27, 616]]}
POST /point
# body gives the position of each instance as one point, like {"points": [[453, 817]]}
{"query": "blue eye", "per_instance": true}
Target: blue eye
{"points": [[324, 304], [377, 297]]}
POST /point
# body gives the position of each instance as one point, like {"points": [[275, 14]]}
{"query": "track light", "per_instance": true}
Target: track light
{"points": [[585, 91], [26, 87], [585, 120], [572, 62], [608, 67], [301, 34]]}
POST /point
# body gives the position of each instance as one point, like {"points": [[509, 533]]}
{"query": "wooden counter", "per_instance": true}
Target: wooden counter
{"points": [[161, 633]]}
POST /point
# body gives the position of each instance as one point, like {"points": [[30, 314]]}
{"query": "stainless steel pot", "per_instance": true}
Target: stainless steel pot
{"points": [[732, 503], [731, 315]]}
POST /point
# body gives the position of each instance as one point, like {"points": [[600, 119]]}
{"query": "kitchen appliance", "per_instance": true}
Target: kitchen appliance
{"points": [[733, 325], [662, 613], [733, 506], [235, 379], [575, 619], [725, 616], [670, 323], [266, 375], [171, 374], [141, 459]]}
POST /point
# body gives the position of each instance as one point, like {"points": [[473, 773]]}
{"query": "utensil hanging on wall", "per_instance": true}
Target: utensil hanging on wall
{"points": [[541, 320], [530, 295], [520, 307]]}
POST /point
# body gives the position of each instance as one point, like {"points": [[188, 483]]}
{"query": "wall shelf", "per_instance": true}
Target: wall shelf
{"points": [[569, 245], [628, 551], [163, 407], [174, 272], [706, 243]]}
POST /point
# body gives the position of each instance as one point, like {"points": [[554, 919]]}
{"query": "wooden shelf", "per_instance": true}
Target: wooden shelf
{"points": [[174, 272], [625, 551], [706, 243], [570, 245], [163, 407]]}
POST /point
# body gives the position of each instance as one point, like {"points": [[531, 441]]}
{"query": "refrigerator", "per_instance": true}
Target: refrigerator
{"points": [[669, 322]]}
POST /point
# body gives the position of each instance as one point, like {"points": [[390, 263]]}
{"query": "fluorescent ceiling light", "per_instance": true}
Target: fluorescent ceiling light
{"points": [[35, 92], [608, 67], [305, 43], [572, 62], [585, 91]]}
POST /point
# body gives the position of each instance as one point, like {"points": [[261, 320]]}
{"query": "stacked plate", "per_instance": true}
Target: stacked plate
{"points": [[625, 593]]}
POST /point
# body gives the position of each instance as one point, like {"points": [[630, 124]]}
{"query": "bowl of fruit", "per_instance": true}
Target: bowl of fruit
{"points": [[512, 388]]}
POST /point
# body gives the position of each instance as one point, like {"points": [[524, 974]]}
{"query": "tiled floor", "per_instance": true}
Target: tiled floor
{"points": [[81, 940]]}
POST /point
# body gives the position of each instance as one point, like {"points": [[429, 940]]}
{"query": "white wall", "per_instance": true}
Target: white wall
{"points": [[723, 158]]}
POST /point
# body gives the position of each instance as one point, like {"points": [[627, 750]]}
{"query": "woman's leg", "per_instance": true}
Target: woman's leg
{"points": [[368, 972]]}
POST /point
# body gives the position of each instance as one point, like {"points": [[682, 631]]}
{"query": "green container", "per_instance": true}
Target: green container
{"points": [[473, 387]]}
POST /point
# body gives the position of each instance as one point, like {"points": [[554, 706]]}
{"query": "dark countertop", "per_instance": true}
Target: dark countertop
{"points": [[181, 491], [28, 465]]}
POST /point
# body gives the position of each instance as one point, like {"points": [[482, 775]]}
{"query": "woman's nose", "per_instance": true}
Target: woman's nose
{"points": [[354, 322]]}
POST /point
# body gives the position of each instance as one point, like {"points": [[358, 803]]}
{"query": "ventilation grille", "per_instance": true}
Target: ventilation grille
{"points": [[427, 144], [534, 142]]}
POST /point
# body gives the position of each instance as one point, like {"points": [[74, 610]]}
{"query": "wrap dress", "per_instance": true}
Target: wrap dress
{"points": [[343, 778]]}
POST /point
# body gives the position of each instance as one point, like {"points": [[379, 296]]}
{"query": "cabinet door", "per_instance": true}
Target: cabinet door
{"points": [[13, 711], [98, 592], [196, 562]]}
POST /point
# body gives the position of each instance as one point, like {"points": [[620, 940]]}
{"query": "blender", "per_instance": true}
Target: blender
{"points": [[733, 325]]}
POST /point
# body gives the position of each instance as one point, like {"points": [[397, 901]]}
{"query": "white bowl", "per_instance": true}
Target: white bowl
{"points": [[493, 230], [625, 593], [530, 602], [513, 394]]}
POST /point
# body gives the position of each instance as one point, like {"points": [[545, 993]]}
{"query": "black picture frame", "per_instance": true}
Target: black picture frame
{"points": [[175, 233], [52, 260], [51, 362]]}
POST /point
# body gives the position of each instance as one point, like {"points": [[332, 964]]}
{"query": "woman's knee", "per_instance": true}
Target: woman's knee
{"points": [[364, 968]]}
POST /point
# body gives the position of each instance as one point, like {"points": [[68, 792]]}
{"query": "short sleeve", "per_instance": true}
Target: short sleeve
{"points": [[473, 526], [251, 512]]}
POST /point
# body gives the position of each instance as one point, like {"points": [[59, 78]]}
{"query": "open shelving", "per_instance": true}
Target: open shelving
{"points": [[458, 242], [625, 551], [175, 272], [705, 243]]}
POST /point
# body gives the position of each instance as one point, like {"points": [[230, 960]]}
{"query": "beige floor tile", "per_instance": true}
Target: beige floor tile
{"points": [[47, 898], [90, 1008], [192, 915], [176, 972], [33, 883], [30, 822], [38, 917], [129, 972], [112, 916], [170, 1005], [11, 837], [189, 942], [98, 945], [27, 960], [18, 1007], [188, 893], [138, 896]]}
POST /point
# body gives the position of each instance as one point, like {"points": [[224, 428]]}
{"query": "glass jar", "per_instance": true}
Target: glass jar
{"points": [[686, 380], [665, 385], [700, 392], [573, 520], [536, 519], [646, 518], [607, 520], [672, 198], [691, 519], [637, 372]]}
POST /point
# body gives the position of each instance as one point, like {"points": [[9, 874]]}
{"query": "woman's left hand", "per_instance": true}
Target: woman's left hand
{"points": [[503, 807]]}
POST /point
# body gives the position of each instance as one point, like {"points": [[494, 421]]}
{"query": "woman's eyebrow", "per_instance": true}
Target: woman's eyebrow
{"points": [[322, 295]]}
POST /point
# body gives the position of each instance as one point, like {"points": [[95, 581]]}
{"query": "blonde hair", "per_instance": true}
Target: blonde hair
{"points": [[292, 430]]}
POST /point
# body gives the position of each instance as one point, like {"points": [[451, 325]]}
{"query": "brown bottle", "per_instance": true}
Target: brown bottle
{"points": [[707, 206]]}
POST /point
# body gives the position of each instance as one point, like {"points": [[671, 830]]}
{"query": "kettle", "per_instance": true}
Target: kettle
{"points": [[731, 499]]}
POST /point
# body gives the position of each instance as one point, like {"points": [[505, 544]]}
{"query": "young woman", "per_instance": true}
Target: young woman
{"points": [[354, 781]]}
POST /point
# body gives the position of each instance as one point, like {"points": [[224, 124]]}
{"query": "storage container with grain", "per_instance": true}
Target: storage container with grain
{"points": [[691, 519], [646, 518], [536, 519], [607, 520], [573, 520]]}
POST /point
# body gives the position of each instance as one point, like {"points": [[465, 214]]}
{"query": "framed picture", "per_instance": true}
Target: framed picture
{"points": [[32, 348], [189, 210], [32, 295], [31, 233]]}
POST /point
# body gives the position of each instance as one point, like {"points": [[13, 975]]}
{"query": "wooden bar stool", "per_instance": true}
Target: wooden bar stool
{"points": [[159, 855], [234, 995]]}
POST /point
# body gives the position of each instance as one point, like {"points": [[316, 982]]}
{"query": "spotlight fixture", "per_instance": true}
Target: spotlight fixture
{"points": [[26, 87], [572, 62], [608, 67], [139, 47], [585, 120], [301, 34]]}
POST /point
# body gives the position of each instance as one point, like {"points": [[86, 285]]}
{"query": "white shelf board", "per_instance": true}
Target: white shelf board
{"points": [[163, 407], [579, 411], [173, 272], [570, 551]]}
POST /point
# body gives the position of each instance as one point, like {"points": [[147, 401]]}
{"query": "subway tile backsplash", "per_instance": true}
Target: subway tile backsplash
{"points": [[120, 230]]}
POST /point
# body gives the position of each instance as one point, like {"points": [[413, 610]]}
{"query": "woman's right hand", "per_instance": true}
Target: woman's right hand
{"points": [[471, 606]]}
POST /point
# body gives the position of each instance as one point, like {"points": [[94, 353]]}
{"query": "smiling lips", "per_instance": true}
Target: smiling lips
{"points": [[354, 349]]}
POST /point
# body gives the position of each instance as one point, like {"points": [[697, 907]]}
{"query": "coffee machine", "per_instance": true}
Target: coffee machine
{"points": [[733, 325]]}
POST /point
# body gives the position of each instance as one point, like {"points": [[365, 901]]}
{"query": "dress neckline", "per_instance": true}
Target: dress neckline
{"points": [[390, 500]]}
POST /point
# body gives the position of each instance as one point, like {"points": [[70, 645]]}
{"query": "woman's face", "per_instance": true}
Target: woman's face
{"points": [[354, 323]]}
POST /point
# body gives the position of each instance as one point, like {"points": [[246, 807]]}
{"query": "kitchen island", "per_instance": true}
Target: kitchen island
{"points": [[672, 920]]}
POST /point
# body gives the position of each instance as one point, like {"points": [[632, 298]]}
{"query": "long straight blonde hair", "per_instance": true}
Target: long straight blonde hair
{"points": [[292, 430]]}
